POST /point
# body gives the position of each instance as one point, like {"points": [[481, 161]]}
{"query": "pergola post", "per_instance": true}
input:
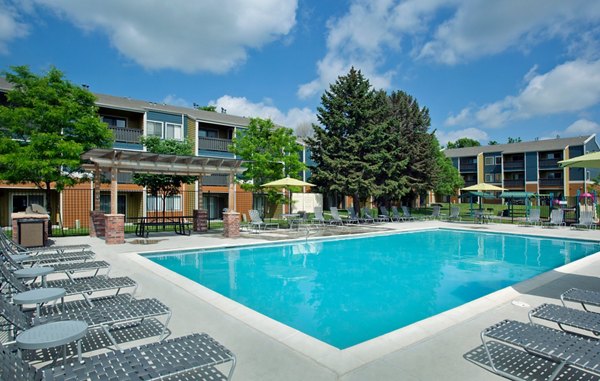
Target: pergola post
{"points": [[231, 218], [115, 222], [200, 215], [97, 220]]}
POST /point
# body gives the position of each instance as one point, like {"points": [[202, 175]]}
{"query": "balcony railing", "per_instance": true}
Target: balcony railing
{"points": [[514, 183], [126, 135], [215, 180], [549, 163], [468, 167], [468, 183], [214, 144], [514, 165], [551, 182]]}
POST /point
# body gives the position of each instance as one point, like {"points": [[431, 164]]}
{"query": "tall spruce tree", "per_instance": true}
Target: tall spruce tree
{"points": [[345, 148], [417, 145]]}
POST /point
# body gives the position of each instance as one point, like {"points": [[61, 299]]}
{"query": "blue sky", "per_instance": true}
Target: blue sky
{"points": [[488, 70]]}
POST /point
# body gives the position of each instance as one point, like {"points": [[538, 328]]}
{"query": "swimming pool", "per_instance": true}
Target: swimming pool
{"points": [[347, 291]]}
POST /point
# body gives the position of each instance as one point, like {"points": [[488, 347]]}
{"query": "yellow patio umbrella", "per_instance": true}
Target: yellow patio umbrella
{"points": [[483, 187], [287, 182], [590, 160]]}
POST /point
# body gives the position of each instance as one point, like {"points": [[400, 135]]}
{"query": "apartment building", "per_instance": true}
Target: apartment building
{"points": [[527, 166], [130, 119]]}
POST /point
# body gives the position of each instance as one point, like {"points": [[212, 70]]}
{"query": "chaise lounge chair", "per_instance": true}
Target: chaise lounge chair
{"points": [[23, 257], [352, 217], [454, 213], [367, 215], [104, 315], [81, 248], [565, 316], [583, 297], [335, 217], [533, 218], [586, 221], [396, 216], [556, 219], [257, 222], [188, 357], [407, 215], [385, 214], [318, 218]]}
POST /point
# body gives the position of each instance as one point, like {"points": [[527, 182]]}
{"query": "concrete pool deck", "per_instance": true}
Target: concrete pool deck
{"points": [[267, 350]]}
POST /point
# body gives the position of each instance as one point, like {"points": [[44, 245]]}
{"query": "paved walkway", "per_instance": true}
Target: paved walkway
{"points": [[266, 350]]}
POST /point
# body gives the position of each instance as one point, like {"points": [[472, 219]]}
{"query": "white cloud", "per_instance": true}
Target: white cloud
{"points": [[481, 27], [190, 36], [174, 100], [472, 133], [461, 118], [243, 107], [581, 127], [11, 26], [568, 88]]}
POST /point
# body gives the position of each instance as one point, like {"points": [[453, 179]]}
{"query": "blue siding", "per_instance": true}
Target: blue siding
{"points": [[164, 117], [185, 126], [575, 174], [455, 162], [495, 168], [531, 168]]}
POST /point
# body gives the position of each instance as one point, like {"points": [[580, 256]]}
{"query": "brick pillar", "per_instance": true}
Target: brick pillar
{"points": [[200, 220], [115, 229], [231, 224], [97, 224]]}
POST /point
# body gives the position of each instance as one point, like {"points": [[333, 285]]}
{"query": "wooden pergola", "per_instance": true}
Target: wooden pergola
{"points": [[121, 161]]}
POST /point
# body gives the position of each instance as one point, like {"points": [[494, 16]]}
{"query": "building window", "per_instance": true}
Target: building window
{"points": [[121, 203], [554, 175], [155, 204], [164, 130], [498, 160], [20, 202], [154, 129], [489, 177], [489, 160], [173, 131], [498, 177], [115, 122], [205, 133]]}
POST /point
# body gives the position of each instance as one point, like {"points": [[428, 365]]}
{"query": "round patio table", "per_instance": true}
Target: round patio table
{"points": [[53, 335], [34, 272], [40, 296]]}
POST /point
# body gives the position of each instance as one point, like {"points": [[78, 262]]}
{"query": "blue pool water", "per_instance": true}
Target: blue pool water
{"points": [[347, 291]]}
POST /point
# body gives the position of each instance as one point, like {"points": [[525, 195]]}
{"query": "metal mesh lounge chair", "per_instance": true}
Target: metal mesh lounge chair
{"points": [[82, 248], [454, 213], [586, 221], [556, 219], [79, 286], [407, 215], [187, 358], [436, 212], [257, 222], [25, 257], [396, 214], [533, 218], [335, 217], [563, 349], [318, 218], [583, 297], [565, 316], [385, 214], [352, 217], [367, 215], [103, 316]]}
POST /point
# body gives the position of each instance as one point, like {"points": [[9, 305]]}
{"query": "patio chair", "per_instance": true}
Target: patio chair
{"points": [[82, 248], [586, 221], [533, 218], [580, 296], [318, 218], [352, 217], [114, 313], [385, 215], [302, 219], [556, 219], [29, 258], [79, 286], [565, 316], [407, 215], [436, 213], [335, 217], [454, 213], [520, 351], [367, 215], [187, 357], [396, 216], [257, 222]]}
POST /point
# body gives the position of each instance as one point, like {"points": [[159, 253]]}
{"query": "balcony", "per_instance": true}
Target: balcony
{"points": [[514, 165], [549, 163], [468, 183], [468, 167], [551, 182], [514, 183], [126, 135], [215, 180], [214, 144]]}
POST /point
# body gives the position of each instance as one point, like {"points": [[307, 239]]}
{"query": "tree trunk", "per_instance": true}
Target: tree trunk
{"points": [[49, 207], [356, 202]]}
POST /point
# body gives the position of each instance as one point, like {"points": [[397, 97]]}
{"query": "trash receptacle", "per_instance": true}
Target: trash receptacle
{"points": [[31, 232]]}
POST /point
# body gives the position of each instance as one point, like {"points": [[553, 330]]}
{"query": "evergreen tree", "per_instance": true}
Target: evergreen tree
{"points": [[345, 148], [417, 145]]}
